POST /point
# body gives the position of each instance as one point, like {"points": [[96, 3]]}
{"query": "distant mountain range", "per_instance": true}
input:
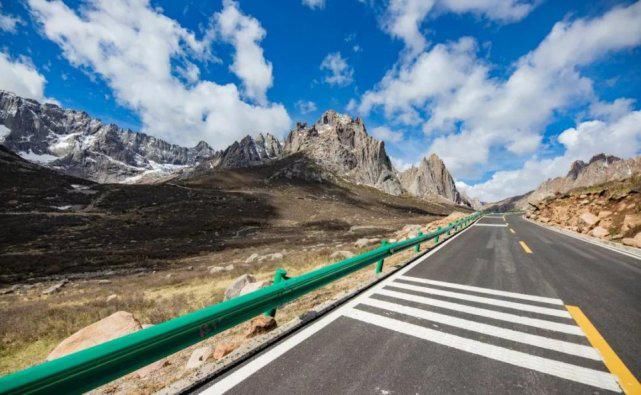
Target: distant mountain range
{"points": [[599, 169], [76, 144]]}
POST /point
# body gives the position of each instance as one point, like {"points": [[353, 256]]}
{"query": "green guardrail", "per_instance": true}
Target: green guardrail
{"points": [[92, 367]]}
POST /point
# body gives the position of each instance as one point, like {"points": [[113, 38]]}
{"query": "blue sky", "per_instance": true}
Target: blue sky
{"points": [[507, 92]]}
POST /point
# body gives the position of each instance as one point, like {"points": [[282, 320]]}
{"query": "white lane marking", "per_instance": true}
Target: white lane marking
{"points": [[486, 224], [489, 291], [491, 330], [254, 365], [480, 299], [497, 315], [552, 367]]}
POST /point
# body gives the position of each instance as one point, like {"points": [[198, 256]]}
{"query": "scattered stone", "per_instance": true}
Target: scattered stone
{"points": [[600, 232], [168, 276], [589, 219], [224, 349], [259, 325], [275, 256], [251, 258], [145, 326], [633, 241], [189, 268], [55, 288], [360, 243], [239, 283], [251, 287], [10, 290], [199, 357], [215, 269], [342, 255], [116, 325], [229, 268], [631, 221], [604, 214], [143, 373], [112, 297], [104, 281]]}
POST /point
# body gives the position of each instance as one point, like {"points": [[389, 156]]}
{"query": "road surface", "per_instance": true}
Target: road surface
{"points": [[484, 313]]}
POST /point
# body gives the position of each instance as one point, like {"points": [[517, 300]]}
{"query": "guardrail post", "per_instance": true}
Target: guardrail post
{"points": [[449, 228], [438, 230], [417, 247], [379, 264], [279, 276]]}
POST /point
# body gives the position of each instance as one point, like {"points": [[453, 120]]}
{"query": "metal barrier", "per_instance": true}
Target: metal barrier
{"points": [[89, 368]]}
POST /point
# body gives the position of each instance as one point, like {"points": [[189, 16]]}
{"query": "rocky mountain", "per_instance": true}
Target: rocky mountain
{"points": [[247, 152], [76, 144], [341, 145], [431, 179]]}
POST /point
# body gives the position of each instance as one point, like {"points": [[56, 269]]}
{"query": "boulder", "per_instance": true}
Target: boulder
{"points": [[199, 357], [259, 325], [631, 221], [116, 325], [589, 219], [600, 232], [55, 288], [216, 269], [239, 283], [251, 287], [633, 241], [361, 243], [342, 255], [224, 349], [229, 268], [112, 297], [251, 258]]}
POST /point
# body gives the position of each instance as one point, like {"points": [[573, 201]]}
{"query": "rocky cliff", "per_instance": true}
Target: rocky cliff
{"points": [[431, 179], [341, 144], [76, 144]]}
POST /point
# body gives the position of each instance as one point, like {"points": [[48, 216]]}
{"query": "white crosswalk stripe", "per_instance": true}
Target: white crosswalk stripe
{"points": [[484, 300], [476, 337]]}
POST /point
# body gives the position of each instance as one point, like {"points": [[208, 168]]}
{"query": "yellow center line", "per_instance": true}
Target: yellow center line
{"points": [[512, 230], [627, 381], [525, 247]]}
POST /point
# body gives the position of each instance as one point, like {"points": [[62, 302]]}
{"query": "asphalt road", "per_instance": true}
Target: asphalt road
{"points": [[484, 313]]}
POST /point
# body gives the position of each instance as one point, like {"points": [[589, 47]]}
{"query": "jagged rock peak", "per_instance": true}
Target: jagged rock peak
{"points": [[341, 144], [76, 144], [430, 179], [248, 152]]}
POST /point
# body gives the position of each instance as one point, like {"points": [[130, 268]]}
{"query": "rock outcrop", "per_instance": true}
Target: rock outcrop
{"points": [[431, 179], [76, 144], [247, 152], [341, 145]]}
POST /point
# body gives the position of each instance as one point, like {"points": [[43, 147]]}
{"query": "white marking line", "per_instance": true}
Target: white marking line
{"points": [[495, 225], [479, 299], [263, 359], [552, 367], [497, 315], [509, 334], [490, 291]]}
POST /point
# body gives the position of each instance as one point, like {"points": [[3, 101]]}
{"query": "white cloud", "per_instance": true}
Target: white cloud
{"points": [[620, 137], [340, 73], [8, 23], [386, 134], [449, 89], [244, 33], [403, 18], [131, 46], [305, 106], [21, 77], [400, 164], [314, 4]]}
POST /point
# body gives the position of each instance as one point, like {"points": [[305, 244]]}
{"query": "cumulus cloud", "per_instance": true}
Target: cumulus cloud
{"points": [[339, 72], [305, 106], [620, 137], [314, 4], [8, 23], [245, 33], [386, 134], [21, 77], [402, 19], [134, 48], [448, 89]]}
